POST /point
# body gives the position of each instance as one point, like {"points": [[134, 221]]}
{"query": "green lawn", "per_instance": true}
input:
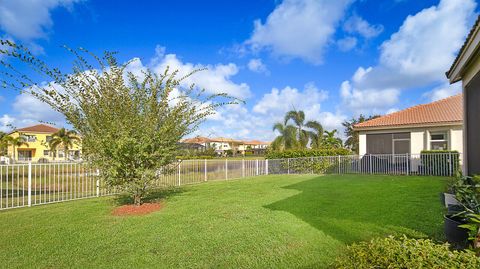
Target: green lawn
{"points": [[264, 222]]}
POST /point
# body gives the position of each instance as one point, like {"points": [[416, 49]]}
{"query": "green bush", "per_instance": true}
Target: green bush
{"points": [[437, 162], [402, 252], [307, 153]]}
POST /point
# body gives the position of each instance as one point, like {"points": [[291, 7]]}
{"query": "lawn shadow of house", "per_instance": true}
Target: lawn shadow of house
{"points": [[352, 210]]}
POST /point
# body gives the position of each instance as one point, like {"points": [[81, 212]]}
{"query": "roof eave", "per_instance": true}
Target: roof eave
{"points": [[465, 55], [406, 126]]}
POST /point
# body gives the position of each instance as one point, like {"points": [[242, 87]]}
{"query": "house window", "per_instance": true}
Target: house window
{"points": [[46, 152], [438, 141], [30, 138], [49, 138], [396, 143]]}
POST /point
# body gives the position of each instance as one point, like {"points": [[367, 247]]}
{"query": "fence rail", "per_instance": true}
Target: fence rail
{"points": [[29, 184]]}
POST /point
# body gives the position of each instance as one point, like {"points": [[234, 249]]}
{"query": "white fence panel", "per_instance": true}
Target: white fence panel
{"points": [[27, 184]]}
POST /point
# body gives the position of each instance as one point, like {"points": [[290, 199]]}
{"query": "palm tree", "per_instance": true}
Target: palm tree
{"points": [[298, 118], [316, 136], [287, 138], [330, 140], [15, 142], [64, 138]]}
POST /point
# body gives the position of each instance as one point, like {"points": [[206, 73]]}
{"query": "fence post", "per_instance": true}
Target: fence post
{"points": [[450, 163], [98, 187], [370, 163], [206, 170], [243, 167], [338, 159], [288, 166], [266, 166], [226, 169], [256, 167], [29, 184], [179, 173], [408, 163]]}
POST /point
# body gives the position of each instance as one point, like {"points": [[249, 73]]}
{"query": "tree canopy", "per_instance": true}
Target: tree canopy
{"points": [[301, 135], [130, 123]]}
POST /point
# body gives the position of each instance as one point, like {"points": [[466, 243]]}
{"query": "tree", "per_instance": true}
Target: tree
{"points": [[3, 144], [64, 138], [287, 138], [15, 142], [330, 140], [298, 117], [316, 136], [130, 124], [352, 136]]}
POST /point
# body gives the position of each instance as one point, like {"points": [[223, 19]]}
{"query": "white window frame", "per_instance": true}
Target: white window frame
{"points": [[445, 139]]}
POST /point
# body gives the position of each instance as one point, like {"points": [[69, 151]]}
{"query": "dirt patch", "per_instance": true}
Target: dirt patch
{"points": [[133, 210]]}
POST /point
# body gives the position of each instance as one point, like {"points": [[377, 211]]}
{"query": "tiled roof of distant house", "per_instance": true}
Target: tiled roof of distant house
{"points": [[39, 128], [445, 111], [196, 140]]}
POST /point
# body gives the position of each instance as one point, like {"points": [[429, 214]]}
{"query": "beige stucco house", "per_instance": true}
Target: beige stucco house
{"points": [[466, 68], [433, 126]]}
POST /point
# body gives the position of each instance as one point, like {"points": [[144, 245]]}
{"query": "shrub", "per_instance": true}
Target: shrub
{"points": [[435, 162], [130, 122], [307, 153], [402, 252]]}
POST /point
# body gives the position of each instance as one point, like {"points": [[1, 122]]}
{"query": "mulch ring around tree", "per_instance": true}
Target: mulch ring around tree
{"points": [[136, 210]]}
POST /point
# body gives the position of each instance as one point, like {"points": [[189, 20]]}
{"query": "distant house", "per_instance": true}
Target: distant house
{"points": [[433, 126], [466, 68], [36, 138], [222, 144]]}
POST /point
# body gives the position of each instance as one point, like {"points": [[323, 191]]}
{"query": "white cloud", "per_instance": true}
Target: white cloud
{"points": [[26, 111], [5, 122], [299, 28], [256, 65], [423, 48], [357, 25], [29, 19], [443, 91], [368, 101], [417, 55], [347, 43], [238, 121], [214, 79], [276, 103]]}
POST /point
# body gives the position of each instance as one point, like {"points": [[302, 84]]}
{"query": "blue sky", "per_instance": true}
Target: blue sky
{"points": [[332, 59]]}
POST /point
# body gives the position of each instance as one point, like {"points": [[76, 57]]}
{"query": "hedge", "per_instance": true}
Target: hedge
{"points": [[403, 252], [437, 162], [307, 153]]}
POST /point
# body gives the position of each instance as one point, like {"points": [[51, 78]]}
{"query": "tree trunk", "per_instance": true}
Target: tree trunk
{"points": [[137, 199]]}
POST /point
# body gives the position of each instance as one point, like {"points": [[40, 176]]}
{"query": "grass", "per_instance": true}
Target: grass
{"points": [[264, 222]]}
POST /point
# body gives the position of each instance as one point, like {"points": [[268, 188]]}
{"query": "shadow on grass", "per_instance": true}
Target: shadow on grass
{"points": [[351, 210], [152, 197]]}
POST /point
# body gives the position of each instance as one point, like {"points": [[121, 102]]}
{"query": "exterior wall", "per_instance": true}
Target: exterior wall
{"points": [[362, 146], [419, 137], [38, 147], [472, 126]]}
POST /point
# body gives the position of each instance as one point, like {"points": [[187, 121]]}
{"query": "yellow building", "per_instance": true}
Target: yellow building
{"points": [[36, 146]]}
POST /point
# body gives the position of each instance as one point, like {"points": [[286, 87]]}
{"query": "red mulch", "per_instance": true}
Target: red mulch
{"points": [[144, 209]]}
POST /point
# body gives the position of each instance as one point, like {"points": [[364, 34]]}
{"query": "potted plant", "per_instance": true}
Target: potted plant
{"points": [[462, 214]]}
